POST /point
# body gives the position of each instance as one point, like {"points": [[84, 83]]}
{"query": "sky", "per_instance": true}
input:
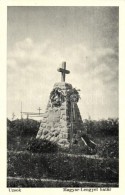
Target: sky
{"points": [[40, 38]]}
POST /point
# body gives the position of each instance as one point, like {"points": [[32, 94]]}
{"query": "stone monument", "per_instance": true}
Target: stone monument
{"points": [[62, 122]]}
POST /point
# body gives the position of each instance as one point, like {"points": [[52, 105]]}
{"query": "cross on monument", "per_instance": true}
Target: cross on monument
{"points": [[63, 71]]}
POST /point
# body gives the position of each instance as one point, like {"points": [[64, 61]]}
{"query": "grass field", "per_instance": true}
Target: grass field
{"points": [[29, 169]]}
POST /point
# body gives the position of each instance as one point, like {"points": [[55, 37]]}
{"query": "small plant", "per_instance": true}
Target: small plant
{"points": [[109, 149], [41, 146]]}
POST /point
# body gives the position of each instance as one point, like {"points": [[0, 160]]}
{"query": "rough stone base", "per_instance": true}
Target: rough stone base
{"points": [[61, 124]]}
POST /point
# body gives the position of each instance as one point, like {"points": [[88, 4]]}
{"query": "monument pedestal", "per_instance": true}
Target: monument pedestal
{"points": [[61, 124]]}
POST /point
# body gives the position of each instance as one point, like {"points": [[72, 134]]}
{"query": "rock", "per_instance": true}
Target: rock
{"points": [[63, 141], [52, 139], [48, 127], [45, 132], [53, 130], [56, 134], [44, 120], [42, 137]]}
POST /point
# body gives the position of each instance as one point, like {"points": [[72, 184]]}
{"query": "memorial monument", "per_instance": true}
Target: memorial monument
{"points": [[62, 122]]}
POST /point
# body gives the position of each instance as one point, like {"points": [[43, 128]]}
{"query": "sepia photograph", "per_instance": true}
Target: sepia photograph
{"points": [[63, 97]]}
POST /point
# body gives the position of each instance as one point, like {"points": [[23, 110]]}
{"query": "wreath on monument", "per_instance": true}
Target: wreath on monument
{"points": [[73, 95], [57, 97]]}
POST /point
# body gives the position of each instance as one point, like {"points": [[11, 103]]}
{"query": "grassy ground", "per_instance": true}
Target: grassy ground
{"points": [[55, 169], [62, 166]]}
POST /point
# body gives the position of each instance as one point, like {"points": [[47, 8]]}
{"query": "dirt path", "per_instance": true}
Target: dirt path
{"points": [[54, 181], [65, 154]]}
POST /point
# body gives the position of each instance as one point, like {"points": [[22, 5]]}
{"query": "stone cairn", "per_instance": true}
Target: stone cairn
{"points": [[62, 122]]}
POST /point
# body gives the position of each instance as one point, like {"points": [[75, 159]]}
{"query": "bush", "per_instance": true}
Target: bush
{"points": [[23, 127], [102, 127], [41, 146], [109, 149]]}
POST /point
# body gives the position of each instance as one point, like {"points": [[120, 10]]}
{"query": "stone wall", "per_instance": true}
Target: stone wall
{"points": [[61, 124]]}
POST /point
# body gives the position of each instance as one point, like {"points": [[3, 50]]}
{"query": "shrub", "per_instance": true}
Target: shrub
{"points": [[23, 127], [109, 149], [102, 127], [41, 146]]}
